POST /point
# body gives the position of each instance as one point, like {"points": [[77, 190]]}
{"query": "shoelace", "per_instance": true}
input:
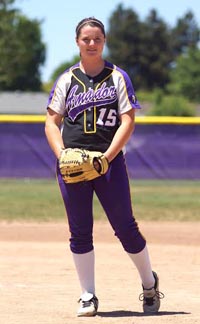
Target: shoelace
{"points": [[157, 294], [86, 303]]}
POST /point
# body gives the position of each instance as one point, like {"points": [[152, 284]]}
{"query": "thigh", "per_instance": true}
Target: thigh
{"points": [[78, 200], [113, 191]]}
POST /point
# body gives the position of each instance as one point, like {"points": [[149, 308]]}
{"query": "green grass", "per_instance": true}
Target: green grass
{"points": [[166, 200], [40, 200]]}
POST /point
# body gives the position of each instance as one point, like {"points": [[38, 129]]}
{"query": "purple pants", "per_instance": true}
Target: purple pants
{"points": [[113, 192]]}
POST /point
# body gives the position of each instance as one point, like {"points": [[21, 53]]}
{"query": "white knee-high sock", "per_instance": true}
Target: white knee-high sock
{"points": [[84, 264], [143, 265]]}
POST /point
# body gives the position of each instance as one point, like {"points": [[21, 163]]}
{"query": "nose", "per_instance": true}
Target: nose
{"points": [[91, 42]]}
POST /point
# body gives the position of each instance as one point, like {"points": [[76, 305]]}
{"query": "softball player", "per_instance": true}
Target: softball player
{"points": [[93, 102]]}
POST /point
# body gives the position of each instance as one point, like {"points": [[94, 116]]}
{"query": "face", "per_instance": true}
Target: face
{"points": [[90, 41]]}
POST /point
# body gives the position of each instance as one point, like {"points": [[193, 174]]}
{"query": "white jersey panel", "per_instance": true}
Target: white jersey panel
{"points": [[57, 102]]}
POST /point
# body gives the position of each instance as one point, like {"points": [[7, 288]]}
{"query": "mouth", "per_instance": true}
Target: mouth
{"points": [[92, 51]]}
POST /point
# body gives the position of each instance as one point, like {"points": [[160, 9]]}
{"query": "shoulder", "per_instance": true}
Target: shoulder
{"points": [[122, 73], [118, 72], [63, 81], [59, 90], [66, 74]]}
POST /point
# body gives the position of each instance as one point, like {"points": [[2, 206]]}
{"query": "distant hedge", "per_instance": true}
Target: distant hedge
{"points": [[171, 106]]}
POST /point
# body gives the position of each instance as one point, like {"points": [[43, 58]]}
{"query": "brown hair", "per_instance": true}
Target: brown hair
{"points": [[91, 21]]}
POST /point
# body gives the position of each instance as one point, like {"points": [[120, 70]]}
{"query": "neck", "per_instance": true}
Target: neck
{"points": [[91, 67]]}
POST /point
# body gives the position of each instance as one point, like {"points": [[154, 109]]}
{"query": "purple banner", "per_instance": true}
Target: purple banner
{"points": [[164, 151], [24, 151]]}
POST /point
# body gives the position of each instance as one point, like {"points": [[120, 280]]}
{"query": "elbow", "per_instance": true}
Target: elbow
{"points": [[131, 126], [47, 128]]}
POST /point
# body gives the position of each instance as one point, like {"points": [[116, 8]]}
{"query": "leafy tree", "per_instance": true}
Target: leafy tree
{"points": [[185, 34], [185, 77], [22, 51], [4, 4], [147, 49], [171, 105], [155, 53], [141, 48], [123, 41]]}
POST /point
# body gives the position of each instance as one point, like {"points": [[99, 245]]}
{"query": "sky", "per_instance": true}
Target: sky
{"points": [[60, 17]]}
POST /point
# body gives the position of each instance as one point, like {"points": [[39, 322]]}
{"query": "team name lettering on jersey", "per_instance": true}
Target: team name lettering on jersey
{"points": [[78, 102]]}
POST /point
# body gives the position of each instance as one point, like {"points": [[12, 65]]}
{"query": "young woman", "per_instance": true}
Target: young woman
{"points": [[92, 106]]}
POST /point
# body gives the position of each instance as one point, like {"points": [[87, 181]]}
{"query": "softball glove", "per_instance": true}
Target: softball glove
{"points": [[81, 165]]}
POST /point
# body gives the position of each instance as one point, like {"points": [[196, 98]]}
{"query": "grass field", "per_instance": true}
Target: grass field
{"points": [[40, 200]]}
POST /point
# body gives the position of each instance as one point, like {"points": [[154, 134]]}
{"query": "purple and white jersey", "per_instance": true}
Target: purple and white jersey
{"points": [[91, 106]]}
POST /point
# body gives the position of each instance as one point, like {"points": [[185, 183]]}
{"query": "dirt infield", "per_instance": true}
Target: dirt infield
{"points": [[38, 283]]}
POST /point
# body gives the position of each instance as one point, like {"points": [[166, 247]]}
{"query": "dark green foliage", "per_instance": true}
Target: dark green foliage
{"points": [[185, 77], [22, 51], [171, 106], [185, 35], [148, 49]]}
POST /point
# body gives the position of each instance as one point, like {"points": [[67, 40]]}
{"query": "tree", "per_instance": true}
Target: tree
{"points": [[123, 41], [185, 34], [141, 48], [4, 4], [185, 77], [22, 51], [155, 52], [148, 49]]}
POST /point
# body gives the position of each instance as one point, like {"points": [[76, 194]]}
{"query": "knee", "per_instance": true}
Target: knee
{"points": [[131, 238], [81, 243]]}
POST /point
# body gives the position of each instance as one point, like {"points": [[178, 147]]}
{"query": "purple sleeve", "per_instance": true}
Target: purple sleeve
{"points": [[127, 91]]}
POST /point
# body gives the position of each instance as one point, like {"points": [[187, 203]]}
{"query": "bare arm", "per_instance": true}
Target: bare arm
{"points": [[122, 135], [52, 131]]}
